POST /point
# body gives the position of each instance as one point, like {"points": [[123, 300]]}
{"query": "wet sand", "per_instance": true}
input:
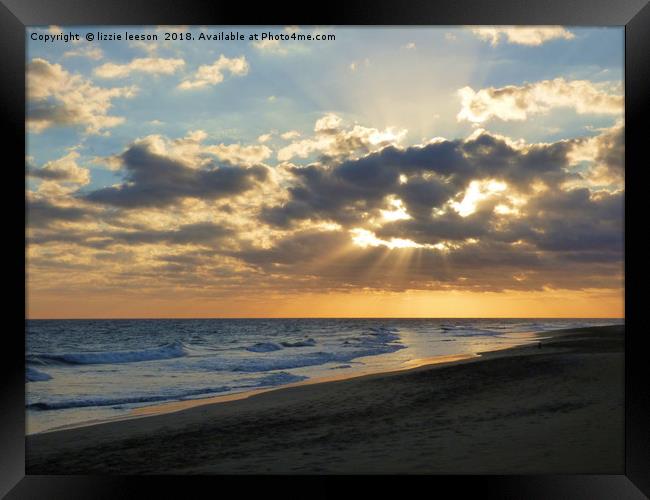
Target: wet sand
{"points": [[552, 407]]}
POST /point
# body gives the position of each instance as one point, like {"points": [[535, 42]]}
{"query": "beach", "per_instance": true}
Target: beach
{"points": [[550, 407]]}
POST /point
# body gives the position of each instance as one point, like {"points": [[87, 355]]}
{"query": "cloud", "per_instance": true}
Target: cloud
{"points": [[483, 213], [434, 173], [604, 155], [213, 74], [195, 234], [150, 47], [291, 134], [149, 65], [191, 151], [57, 97], [336, 206], [328, 123], [155, 179], [64, 169], [199, 233], [90, 52], [336, 262], [271, 47], [44, 213], [236, 154], [519, 102], [281, 47], [529, 35], [577, 220], [334, 141]]}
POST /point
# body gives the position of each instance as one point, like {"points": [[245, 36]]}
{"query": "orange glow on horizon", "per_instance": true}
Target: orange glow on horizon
{"points": [[411, 304]]}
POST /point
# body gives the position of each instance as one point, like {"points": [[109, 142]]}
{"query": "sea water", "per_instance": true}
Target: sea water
{"points": [[79, 371]]}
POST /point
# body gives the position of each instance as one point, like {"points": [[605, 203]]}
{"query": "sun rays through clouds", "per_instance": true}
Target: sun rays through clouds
{"points": [[474, 162]]}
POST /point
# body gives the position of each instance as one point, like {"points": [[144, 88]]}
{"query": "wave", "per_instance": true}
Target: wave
{"points": [[271, 347], [168, 351], [374, 342], [382, 330], [285, 361], [272, 379], [300, 343], [34, 375], [264, 347], [84, 403]]}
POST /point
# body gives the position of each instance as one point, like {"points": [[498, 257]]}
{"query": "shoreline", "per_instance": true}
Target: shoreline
{"points": [[433, 362], [310, 410]]}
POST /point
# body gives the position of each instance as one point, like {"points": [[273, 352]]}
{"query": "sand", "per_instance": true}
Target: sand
{"points": [[557, 408]]}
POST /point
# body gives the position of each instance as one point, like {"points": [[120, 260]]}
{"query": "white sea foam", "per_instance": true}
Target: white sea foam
{"points": [[273, 379]]}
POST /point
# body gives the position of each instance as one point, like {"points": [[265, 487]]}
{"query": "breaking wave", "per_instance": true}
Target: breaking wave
{"points": [[272, 379]]}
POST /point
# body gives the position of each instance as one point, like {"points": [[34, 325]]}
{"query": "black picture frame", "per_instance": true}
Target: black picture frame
{"points": [[15, 15]]}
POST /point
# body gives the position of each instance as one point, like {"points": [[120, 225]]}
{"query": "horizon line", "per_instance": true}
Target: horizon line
{"points": [[322, 317]]}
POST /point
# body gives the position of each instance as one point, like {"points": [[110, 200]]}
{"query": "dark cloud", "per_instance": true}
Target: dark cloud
{"points": [[153, 180], [421, 195], [572, 220], [47, 174], [577, 221], [487, 265], [611, 149], [196, 234], [558, 237], [304, 246], [42, 213], [51, 113], [203, 233], [446, 227], [436, 173]]}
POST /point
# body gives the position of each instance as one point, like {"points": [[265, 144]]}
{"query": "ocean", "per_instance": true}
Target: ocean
{"points": [[78, 371]]}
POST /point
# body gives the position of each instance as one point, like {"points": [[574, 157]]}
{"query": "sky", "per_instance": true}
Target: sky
{"points": [[325, 172]]}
